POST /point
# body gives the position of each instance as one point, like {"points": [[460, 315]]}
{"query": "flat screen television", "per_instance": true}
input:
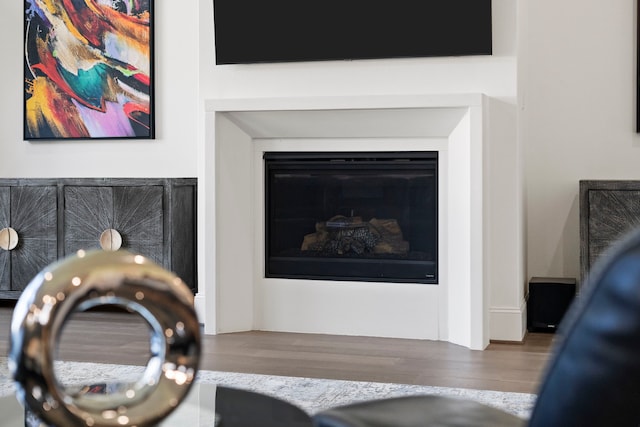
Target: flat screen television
{"points": [[256, 31]]}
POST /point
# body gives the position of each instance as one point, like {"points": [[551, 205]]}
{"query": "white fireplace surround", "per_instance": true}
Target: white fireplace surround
{"points": [[235, 296]]}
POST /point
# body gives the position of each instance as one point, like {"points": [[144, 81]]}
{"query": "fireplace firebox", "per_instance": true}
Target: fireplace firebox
{"points": [[365, 216]]}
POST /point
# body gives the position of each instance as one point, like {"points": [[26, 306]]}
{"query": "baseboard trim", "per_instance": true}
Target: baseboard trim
{"points": [[507, 324], [507, 342], [199, 305]]}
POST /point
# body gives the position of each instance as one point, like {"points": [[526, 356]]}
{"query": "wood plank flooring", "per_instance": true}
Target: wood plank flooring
{"points": [[111, 337]]}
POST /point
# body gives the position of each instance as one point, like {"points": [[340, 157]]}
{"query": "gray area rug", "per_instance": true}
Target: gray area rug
{"points": [[310, 394]]}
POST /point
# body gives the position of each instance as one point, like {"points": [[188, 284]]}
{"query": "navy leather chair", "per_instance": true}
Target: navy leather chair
{"points": [[592, 379]]}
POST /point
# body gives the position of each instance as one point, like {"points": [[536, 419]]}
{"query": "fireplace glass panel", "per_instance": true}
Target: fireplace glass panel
{"points": [[352, 216]]}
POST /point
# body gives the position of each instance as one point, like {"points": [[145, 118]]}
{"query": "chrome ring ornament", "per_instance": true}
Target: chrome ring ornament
{"points": [[88, 280]]}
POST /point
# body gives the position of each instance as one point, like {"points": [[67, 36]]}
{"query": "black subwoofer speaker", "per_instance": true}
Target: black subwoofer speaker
{"points": [[549, 298]]}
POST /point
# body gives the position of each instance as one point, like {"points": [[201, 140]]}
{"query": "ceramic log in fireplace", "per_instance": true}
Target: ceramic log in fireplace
{"points": [[366, 216]]}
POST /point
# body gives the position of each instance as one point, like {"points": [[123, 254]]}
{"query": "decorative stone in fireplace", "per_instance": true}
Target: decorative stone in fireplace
{"points": [[239, 290]]}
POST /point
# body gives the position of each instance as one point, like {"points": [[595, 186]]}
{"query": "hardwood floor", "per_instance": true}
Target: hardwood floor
{"points": [[111, 337]]}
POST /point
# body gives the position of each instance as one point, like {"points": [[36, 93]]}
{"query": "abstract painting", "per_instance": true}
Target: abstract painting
{"points": [[88, 69]]}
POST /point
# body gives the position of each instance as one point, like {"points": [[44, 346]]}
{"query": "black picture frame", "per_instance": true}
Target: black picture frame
{"points": [[88, 71]]}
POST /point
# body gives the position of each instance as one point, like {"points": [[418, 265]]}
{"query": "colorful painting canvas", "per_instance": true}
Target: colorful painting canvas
{"points": [[88, 70]]}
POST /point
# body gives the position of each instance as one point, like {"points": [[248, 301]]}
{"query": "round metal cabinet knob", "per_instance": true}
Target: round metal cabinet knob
{"points": [[110, 240], [105, 278], [8, 239]]}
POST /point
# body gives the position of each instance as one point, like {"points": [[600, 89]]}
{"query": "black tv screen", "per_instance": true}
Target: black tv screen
{"points": [[251, 31]]}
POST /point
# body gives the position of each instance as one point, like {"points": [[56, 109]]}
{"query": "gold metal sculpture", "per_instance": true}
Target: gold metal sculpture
{"points": [[91, 279]]}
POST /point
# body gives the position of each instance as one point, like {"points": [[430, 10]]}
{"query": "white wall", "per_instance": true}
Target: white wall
{"points": [[493, 75], [577, 92], [172, 154]]}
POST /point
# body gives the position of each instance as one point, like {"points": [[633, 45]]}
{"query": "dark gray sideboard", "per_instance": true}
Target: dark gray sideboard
{"points": [[608, 210], [48, 219]]}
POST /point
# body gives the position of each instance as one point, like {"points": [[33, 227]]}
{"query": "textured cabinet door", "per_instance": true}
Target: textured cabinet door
{"points": [[5, 256], [136, 212], [609, 209], [34, 216], [32, 212], [612, 214], [183, 229]]}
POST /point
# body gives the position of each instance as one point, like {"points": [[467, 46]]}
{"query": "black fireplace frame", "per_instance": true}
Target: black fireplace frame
{"points": [[363, 270]]}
